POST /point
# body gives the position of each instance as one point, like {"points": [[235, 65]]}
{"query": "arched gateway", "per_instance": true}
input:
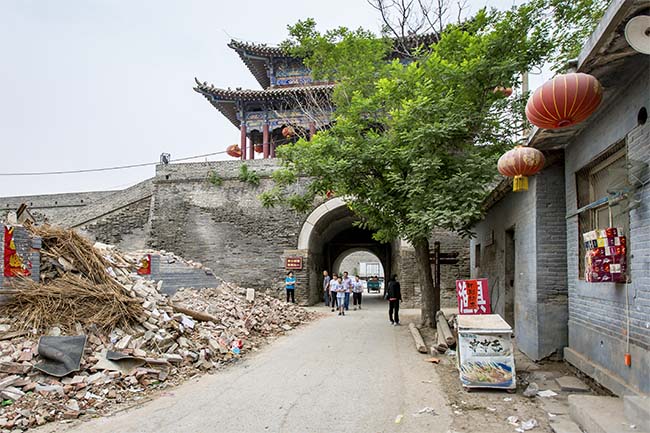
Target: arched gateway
{"points": [[327, 234]]}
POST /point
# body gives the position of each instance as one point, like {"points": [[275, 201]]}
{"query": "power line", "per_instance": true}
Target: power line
{"points": [[119, 167]]}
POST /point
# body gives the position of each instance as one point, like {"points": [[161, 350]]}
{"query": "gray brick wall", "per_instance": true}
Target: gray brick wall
{"points": [[515, 211], [597, 313], [52, 207], [127, 227], [224, 227]]}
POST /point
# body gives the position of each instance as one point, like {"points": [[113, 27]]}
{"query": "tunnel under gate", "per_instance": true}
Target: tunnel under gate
{"points": [[330, 233]]}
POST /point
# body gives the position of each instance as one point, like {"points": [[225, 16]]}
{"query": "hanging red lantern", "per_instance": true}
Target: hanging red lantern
{"points": [[519, 163], [234, 151], [258, 148], [564, 101], [288, 131]]}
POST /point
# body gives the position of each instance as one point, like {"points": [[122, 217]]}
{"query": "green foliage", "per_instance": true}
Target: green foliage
{"points": [[248, 176], [300, 202], [414, 146], [573, 22], [215, 179], [271, 197]]}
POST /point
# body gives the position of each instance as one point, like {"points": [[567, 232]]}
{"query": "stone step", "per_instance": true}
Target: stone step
{"points": [[637, 411], [572, 384], [564, 424], [595, 414]]}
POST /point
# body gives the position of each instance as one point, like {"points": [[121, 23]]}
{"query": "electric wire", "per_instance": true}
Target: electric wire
{"points": [[119, 167]]}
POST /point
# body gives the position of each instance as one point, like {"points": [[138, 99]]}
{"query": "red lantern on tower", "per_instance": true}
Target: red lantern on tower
{"points": [[288, 131], [519, 163], [258, 148], [564, 101], [234, 151]]}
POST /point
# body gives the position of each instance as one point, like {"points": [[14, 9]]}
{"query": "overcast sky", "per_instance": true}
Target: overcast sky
{"points": [[98, 83]]}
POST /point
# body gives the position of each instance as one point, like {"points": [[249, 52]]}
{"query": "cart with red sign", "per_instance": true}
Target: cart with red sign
{"points": [[485, 353]]}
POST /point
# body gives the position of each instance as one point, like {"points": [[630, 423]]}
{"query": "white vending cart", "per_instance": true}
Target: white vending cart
{"points": [[485, 354]]}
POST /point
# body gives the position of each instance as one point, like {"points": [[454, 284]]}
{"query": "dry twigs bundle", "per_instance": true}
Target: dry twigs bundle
{"points": [[78, 289], [68, 300], [69, 251]]}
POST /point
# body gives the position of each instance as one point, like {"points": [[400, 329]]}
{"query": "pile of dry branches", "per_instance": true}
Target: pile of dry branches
{"points": [[77, 287]]}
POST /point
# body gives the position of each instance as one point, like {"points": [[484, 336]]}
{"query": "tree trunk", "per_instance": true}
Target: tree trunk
{"points": [[430, 297]]}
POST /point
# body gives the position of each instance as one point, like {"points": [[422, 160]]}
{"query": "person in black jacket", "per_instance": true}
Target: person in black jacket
{"points": [[394, 296]]}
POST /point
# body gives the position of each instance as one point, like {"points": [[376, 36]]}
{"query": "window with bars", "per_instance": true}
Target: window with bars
{"points": [[603, 178]]}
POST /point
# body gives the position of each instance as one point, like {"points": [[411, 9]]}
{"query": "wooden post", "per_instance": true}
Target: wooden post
{"points": [[242, 144], [436, 276], [265, 140], [251, 148]]}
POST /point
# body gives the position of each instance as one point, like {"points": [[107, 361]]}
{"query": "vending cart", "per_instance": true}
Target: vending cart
{"points": [[485, 354]]}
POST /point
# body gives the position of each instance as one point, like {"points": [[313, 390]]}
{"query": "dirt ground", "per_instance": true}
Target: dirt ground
{"points": [[487, 411]]}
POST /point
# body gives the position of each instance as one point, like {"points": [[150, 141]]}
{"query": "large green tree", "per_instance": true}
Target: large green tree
{"points": [[413, 144]]}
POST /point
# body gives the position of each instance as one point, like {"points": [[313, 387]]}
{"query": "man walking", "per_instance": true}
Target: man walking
{"points": [[347, 285], [326, 288], [394, 295]]}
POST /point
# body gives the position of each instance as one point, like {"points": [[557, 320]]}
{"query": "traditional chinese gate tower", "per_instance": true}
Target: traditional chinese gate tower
{"points": [[289, 105]]}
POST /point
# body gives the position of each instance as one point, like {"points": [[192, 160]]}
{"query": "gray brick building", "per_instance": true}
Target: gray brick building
{"points": [[529, 243]]}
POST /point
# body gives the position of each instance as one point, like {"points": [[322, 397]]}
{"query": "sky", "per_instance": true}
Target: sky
{"points": [[99, 83]]}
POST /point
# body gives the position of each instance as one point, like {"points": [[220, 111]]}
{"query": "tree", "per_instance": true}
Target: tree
{"points": [[413, 145]]}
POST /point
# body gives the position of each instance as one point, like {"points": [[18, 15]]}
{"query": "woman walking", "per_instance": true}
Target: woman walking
{"points": [[290, 286], [334, 288], [357, 290]]}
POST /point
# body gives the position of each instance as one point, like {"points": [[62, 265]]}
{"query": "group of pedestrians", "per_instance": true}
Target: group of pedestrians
{"points": [[337, 290]]}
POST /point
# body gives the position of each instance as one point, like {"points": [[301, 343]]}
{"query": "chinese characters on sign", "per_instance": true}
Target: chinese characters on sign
{"points": [[293, 263], [473, 296]]}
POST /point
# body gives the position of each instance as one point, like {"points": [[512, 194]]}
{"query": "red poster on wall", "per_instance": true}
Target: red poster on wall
{"points": [[14, 265], [145, 265], [473, 296]]}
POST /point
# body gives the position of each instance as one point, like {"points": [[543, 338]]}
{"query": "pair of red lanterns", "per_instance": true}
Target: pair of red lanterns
{"points": [[564, 101]]}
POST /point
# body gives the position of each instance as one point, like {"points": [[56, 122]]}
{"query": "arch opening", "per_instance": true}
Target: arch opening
{"points": [[330, 235]]}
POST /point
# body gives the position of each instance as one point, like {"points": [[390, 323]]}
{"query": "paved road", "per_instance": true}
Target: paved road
{"points": [[340, 374]]}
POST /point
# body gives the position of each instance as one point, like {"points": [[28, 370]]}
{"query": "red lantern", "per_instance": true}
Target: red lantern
{"points": [[258, 148], [234, 151], [519, 163], [564, 101], [288, 131]]}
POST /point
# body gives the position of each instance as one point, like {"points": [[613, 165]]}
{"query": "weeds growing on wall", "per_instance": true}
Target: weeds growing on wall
{"points": [[215, 179], [248, 176]]}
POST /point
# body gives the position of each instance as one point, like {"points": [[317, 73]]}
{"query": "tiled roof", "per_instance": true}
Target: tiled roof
{"points": [[256, 56], [225, 100]]}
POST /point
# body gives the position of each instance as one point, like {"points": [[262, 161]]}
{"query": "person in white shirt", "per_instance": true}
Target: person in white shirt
{"points": [[340, 296], [357, 290], [333, 288]]}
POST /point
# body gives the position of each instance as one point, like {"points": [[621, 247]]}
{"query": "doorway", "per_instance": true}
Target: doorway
{"points": [[510, 276]]}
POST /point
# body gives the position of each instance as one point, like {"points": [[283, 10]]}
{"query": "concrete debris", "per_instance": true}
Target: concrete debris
{"points": [[532, 390], [174, 339]]}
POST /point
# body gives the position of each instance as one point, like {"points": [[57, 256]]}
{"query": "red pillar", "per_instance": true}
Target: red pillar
{"points": [[242, 144], [251, 148], [265, 140], [312, 129]]}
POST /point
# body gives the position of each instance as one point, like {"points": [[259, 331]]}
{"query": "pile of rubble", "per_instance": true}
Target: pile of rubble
{"points": [[169, 341]]}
